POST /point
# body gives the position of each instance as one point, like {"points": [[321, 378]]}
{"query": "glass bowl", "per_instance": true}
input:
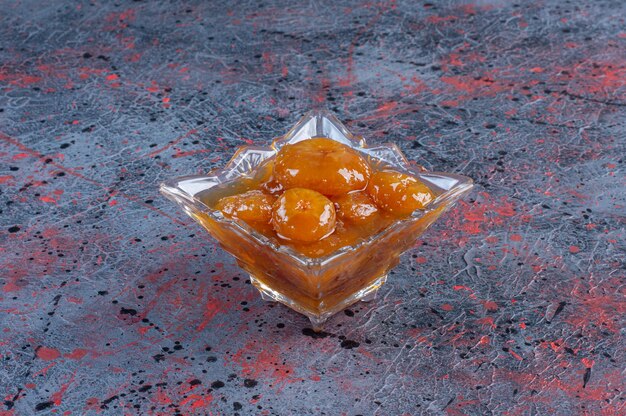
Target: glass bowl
{"points": [[316, 287]]}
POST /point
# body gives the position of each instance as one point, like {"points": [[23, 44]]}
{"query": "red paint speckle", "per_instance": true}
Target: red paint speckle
{"points": [[197, 401], [490, 305], [587, 362], [20, 156], [19, 80], [265, 362], [574, 249], [58, 396], [48, 354], [48, 199], [437, 19], [77, 354]]}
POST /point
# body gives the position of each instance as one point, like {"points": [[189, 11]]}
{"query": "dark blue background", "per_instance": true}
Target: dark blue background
{"points": [[113, 301]]}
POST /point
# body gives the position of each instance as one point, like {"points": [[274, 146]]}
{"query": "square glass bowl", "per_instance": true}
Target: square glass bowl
{"points": [[316, 287]]}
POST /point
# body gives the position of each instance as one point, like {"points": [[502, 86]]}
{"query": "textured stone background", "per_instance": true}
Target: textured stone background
{"points": [[113, 302]]}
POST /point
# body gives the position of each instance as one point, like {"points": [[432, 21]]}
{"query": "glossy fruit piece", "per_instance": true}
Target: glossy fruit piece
{"points": [[323, 165], [303, 215], [272, 186], [340, 237], [251, 206], [398, 193], [356, 207]]}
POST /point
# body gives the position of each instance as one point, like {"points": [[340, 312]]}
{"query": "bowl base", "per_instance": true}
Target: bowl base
{"points": [[318, 319]]}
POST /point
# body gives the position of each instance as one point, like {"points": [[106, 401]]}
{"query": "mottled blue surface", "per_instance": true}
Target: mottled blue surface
{"points": [[112, 302]]}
